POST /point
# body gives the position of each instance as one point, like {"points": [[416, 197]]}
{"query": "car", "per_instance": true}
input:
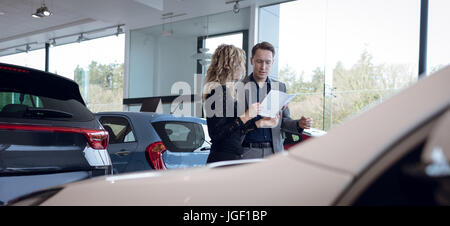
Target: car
{"points": [[396, 153], [146, 140], [47, 135], [291, 139]]}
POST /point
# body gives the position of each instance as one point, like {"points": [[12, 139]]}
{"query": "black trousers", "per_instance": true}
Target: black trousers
{"points": [[217, 156], [249, 153]]}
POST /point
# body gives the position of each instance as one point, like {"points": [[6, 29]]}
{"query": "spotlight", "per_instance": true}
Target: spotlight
{"points": [[81, 38], [42, 11], [236, 7], [119, 30]]}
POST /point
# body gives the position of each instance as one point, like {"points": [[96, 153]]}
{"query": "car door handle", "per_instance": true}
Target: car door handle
{"points": [[122, 153]]}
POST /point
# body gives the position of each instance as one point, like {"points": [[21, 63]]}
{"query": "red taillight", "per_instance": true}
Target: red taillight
{"points": [[153, 153], [97, 139], [14, 69]]}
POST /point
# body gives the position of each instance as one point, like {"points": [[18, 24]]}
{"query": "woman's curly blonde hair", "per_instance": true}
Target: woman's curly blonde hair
{"points": [[226, 61]]}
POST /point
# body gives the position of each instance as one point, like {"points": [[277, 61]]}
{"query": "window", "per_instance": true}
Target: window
{"points": [[212, 42], [438, 35], [416, 176], [97, 66], [180, 136], [33, 59], [25, 105], [119, 129], [342, 57], [231, 39]]}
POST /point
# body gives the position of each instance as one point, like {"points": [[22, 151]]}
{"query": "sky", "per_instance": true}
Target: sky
{"points": [[313, 33], [318, 33]]}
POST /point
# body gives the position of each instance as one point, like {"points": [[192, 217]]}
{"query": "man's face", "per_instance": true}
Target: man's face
{"points": [[262, 62]]}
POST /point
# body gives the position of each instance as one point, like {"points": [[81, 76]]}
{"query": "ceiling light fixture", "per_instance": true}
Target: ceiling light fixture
{"points": [[119, 30], [81, 38], [236, 6], [26, 50], [42, 11]]}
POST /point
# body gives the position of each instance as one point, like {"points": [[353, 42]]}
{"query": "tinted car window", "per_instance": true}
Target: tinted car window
{"points": [[119, 129], [180, 136], [20, 105]]}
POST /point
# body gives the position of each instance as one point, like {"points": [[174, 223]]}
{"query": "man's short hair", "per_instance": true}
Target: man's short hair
{"points": [[264, 46]]}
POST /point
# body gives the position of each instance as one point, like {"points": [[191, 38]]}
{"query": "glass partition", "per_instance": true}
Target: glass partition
{"points": [[32, 59], [342, 57], [163, 58], [438, 35]]}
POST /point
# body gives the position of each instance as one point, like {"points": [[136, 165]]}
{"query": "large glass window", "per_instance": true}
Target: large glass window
{"points": [[32, 59], [211, 44], [341, 57], [438, 35], [97, 66]]}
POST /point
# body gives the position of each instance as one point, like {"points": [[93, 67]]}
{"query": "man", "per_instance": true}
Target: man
{"points": [[267, 141]]}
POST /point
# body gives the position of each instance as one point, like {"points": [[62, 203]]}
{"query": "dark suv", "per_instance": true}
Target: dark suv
{"points": [[47, 135]]}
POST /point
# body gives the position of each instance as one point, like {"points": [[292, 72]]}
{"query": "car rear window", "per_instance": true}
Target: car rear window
{"points": [[22, 105], [180, 136], [119, 129]]}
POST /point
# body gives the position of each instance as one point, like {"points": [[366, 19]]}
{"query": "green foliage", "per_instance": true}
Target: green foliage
{"points": [[105, 87], [353, 90]]}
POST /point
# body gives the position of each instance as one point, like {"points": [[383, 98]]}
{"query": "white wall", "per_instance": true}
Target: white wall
{"points": [[156, 62]]}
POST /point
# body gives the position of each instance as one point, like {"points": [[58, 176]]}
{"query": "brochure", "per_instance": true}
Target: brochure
{"points": [[273, 103]]}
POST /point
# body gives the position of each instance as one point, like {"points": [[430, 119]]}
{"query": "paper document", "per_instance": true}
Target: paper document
{"points": [[273, 103]]}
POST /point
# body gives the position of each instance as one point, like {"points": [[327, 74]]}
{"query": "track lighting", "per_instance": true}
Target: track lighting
{"points": [[81, 38], [236, 6], [42, 11], [119, 30]]}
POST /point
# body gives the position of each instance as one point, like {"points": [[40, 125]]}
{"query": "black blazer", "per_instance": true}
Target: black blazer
{"points": [[226, 130]]}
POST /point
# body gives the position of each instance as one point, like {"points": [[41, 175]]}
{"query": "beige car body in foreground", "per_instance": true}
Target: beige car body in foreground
{"points": [[331, 170]]}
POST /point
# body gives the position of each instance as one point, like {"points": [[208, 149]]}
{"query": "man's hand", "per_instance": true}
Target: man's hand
{"points": [[305, 122], [268, 122], [252, 111]]}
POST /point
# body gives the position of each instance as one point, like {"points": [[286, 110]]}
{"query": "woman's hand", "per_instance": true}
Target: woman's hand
{"points": [[268, 122], [251, 112]]}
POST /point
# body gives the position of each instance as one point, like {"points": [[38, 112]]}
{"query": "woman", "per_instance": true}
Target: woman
{"points": [[226, 128]]}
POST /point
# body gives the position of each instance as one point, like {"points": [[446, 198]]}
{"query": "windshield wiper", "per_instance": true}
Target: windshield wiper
{"points": [[46, 113]]}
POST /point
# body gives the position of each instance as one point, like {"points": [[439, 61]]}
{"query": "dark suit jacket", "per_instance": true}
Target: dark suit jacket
{"points": [[286, 123]]}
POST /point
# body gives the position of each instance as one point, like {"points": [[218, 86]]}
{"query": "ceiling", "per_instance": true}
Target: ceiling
{"points": [[70, 18]]}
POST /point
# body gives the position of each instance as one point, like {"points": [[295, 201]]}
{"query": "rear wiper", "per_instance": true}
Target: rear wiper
{"points": [[46, 113]]}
